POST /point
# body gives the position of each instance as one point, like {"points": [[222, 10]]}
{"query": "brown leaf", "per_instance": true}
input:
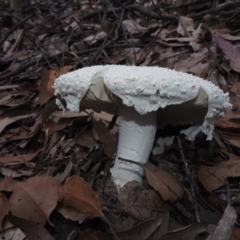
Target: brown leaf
{"points": [[189, 232], [4, 208], [23, 134], [109, 143], [78, 47], [89, 236], [138, 202], [48, 77], [225, 225], [185, 26], [12, 234], [31, 229], [5, 171], [33, 199], [231, 138], [18, 159], [236, 233], [92, 39], [214, 177], [71, 213], [141, 231], [133, 27], [232, 53], [110, 28], [164, 183], [228, 124], [54, 126], [8, 120], [14, 99], [7, 184], [77, 193], [28, 133]]}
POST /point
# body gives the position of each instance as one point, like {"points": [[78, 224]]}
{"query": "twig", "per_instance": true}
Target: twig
{"points": [[183, 157], [187, 4], [193, 190], [14, 28], [63, 7], [217, 9], [133, 7], [225, 225], [16, 17], [104, 44], [228, 192], [21, 68], [194, 186], [42, 59]]}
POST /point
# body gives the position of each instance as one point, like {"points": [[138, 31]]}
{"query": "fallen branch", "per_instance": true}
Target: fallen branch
{"points": [[225, 226], [216, 9], [134, 7], [13, 29]]}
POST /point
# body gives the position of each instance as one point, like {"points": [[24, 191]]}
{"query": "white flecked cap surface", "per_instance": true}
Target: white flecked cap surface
{"points": [[146, 89]]}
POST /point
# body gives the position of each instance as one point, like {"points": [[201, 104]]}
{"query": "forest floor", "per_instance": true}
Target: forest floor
{"points": [[54, 167]]}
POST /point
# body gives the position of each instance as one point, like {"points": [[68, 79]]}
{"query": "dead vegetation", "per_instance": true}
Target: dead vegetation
{"points": [[55, 168]]}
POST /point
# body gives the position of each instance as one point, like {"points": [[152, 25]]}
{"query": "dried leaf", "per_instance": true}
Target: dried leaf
{"points": [[4, 208], [92, 39], [12, 234], [214, 177], [165, 184], [7, 184], [110, 28], [89, 236], [138, 202], [31, 229], [33, 199], [72, 214], [16, 173], [78, 47], [8, 120], [78, 194], [225, 226], [232, 53], [53, 126], [18, 159], [133, 27], [227, 36], [189, 232], [236, 233], [227, 124], [231, 138], [109, 143], [185, 26], [48, 77], [141, 231]]}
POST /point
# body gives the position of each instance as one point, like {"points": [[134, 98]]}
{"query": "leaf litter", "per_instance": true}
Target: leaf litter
{"points": [[54, 166]]}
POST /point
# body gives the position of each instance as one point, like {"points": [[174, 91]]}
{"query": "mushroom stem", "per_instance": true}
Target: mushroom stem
{"points": [[136, 138]]}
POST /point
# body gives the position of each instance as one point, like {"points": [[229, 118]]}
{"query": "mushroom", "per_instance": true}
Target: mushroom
{"points": [[143, 97]]}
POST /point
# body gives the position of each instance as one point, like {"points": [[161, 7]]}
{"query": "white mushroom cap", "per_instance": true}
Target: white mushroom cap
{"points": [[146, 89]]}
